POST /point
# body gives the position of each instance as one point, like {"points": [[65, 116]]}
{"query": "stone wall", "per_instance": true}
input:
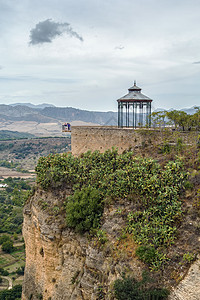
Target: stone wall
{"points": [[103, 138]]}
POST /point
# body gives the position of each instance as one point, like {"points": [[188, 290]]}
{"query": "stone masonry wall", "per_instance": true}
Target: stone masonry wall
{"points": [[102, 138]]}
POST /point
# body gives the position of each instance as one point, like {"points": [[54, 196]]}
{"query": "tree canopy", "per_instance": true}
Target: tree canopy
{"points": [[177, 118]]}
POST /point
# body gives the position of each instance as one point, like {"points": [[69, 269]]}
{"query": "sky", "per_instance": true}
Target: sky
{"points": [[87, 53]]}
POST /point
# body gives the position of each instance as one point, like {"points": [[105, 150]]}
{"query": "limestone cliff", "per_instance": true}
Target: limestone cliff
{"points": [[61, 264]]}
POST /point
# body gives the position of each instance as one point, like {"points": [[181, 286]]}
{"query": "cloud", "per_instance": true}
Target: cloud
{"points": [[120, 47], [196, 62], [46, 31]]}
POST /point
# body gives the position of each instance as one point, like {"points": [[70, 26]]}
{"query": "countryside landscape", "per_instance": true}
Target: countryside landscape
{"points": [[19, 153], [137, 212], [99, 150]]}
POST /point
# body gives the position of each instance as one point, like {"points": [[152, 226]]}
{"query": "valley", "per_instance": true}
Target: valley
{"points": [[18, 158]]}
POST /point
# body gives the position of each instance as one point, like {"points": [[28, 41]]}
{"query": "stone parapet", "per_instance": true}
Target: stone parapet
{"points": [[102, 138]]}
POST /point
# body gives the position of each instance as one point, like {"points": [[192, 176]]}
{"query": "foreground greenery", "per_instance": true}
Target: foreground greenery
{"points": [[110, 176]]}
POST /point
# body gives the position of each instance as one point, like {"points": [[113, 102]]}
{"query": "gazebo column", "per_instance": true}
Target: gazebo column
{"points": [[150, 114], [119, 119], [121, 115], [128, 114], [140, 114], [147, 115], [136, 106]]}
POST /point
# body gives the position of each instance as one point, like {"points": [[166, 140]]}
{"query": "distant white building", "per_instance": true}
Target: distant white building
{"points": [[3, 185]]}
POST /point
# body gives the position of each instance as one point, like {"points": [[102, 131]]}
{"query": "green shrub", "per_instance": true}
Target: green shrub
{"points": [[13, 294], [84, 210], [128, 288], [20, 270], [8, 246], [188, 185], [4, 238], [101, 236], [179, 144], [166, 148], [146, 253], [189, 257], [4, 272]]}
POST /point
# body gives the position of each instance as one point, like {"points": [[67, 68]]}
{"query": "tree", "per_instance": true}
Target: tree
{"points": [[4, 238], [179, 118], [8, 246], [196, 119], [13, 294], [158, 119]]}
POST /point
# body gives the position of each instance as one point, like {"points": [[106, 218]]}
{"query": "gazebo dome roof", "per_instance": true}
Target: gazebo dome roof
{"points": [[134, 95]]}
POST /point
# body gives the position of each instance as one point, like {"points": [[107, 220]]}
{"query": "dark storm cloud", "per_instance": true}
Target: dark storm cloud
{"points": [[46, 31]]}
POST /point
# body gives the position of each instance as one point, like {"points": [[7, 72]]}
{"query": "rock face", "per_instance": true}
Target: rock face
{"points": [[189, 287], [61, 264]]}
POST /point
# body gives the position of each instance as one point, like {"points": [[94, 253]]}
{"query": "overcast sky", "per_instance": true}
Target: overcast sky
{"points": [[87, 53]]}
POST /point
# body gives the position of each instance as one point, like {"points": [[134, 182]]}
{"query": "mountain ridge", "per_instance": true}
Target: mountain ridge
{"points": [[49, 113]]}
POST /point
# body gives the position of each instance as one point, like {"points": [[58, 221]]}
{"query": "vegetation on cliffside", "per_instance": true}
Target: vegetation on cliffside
{"points": [[111, 176], [154, 196]]}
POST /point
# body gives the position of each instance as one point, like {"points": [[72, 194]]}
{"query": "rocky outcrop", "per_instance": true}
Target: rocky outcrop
{"points": [[189, 287], [61, 264]]}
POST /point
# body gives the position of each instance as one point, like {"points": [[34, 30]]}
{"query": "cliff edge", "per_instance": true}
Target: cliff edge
{"points": [[99, 217]]}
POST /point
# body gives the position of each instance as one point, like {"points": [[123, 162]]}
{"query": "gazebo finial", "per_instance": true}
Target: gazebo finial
{"points": [[134, 82]]}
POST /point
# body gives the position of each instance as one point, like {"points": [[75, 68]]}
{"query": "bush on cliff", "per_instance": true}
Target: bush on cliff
{"points": [[84, 210], [118, 176], [128, 288]]}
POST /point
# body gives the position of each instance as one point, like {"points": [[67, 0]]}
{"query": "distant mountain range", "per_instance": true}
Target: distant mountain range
{"points": [[51, 114], [189, 111], [39, 106], [47, 113], [9, 135]]}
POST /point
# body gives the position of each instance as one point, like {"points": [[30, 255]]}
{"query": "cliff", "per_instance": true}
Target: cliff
{"points": [[61, 264], [144, 206]]}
